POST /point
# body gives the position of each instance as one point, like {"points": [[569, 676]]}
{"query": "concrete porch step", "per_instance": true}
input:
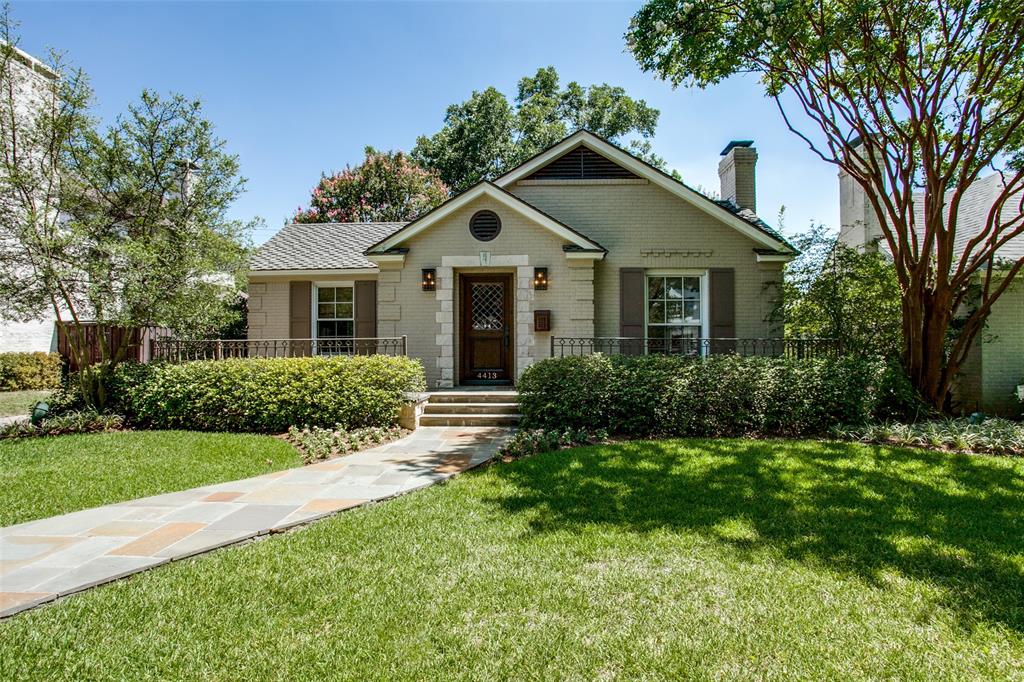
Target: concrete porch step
{"points": [[458, 419], [471, 408], [474, 397]]}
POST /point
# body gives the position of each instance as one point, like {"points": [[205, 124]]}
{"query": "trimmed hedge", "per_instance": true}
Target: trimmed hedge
{"points": [[266, 395], [29, 371], [718, 396]]}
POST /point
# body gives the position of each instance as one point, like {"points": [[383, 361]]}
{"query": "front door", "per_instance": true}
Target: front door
{"points": [[485, 345]]}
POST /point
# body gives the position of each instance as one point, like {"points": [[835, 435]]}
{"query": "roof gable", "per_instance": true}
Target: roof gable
{"points": [[750, 225], [582, 163], [485, 188]]}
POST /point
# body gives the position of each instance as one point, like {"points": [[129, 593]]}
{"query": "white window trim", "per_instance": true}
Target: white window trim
{"points": [[705, 307], [314, 318]]}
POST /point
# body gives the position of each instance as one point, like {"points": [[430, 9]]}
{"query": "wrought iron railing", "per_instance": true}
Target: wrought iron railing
{"points": [[620, 345], [182, 350]]}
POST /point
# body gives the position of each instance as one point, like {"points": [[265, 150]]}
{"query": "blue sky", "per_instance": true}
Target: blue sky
{"points": [[297, 89]]}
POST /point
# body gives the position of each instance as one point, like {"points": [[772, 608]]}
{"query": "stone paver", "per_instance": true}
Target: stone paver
{"points": [[49, 558]]}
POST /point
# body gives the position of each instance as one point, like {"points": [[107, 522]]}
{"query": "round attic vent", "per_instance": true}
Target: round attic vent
{"points": [[485, 225]]}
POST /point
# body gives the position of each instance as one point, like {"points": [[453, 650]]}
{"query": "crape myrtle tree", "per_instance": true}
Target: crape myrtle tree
{"points": [[909, 97], [385, 187], [487, 135], [125, 226]]}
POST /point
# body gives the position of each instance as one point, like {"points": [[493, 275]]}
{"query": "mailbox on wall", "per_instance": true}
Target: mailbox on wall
{"points": [[541, 320]]}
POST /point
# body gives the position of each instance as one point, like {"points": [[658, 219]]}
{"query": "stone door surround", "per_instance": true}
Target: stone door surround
{"points": [[525, 341]]}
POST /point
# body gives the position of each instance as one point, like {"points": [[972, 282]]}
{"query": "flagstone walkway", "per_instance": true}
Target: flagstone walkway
{"points": [[49, 558]]}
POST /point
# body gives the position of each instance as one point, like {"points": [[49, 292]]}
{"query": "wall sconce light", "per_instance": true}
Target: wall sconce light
{"points": [[429, 279], [540, 279]]}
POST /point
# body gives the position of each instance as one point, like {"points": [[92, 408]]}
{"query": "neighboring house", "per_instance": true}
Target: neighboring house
{"points": [[584, 240], [31, 82], [995, 366]]}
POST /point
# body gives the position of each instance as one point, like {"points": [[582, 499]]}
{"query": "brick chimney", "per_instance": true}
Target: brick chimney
{"points": [[858, 224], [736, 172]]}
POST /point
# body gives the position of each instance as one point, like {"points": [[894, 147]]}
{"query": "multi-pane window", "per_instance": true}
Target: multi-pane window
{"points": [[673, 313], [335, 313]]}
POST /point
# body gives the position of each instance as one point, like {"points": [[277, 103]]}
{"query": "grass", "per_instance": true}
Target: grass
{"points": [[659, 560], [14, 403], [42, 477]]}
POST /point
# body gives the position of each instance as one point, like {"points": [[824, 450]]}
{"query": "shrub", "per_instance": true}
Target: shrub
{"points": [[85, 421], [725, 395], [992, 436], [566, 393], [527, 443], [267, 395], [316, 443], [29, 371], [897, 399]]}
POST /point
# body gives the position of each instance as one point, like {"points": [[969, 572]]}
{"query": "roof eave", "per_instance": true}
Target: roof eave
{"points": [[310, 272]]}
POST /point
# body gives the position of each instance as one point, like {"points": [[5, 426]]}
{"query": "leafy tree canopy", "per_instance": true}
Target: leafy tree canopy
{"points": [[385, 187], [125, 226], [915, 99], [833, 291], [487, 135]]}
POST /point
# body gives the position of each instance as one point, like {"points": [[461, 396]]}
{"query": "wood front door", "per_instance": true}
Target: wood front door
{"points": [[485, 345]]}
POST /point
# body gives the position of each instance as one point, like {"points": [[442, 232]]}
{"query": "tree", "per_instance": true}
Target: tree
{"points": [[486, 136], [385, 187], [126, 227], [833, 291], [908, 96]]}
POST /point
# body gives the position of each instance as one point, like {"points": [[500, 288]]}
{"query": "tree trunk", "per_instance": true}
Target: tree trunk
{"points": [[926, 322]]}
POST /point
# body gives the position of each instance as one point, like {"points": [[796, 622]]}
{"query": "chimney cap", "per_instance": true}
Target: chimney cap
{"points": [[736, 143]]}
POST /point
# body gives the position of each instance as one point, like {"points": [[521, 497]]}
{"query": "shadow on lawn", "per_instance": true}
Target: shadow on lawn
{"points": [[951, 520]]}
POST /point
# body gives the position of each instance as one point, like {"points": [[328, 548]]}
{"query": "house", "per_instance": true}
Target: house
{"points": [[581, 245], [32, 81], [995, 366]]}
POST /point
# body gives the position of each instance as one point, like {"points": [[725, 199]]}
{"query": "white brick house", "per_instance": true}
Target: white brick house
{"points": [[31, 80], [995, 366]]}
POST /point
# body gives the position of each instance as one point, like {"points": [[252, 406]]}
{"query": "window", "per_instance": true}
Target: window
{"points": [[335, 312], [675, 313]]}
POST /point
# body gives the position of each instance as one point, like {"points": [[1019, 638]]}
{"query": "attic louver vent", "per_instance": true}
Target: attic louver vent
{"points": [[582, 164], [485, 225]]}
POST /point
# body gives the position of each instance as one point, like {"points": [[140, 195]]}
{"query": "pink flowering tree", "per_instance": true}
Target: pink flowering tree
{"points": [[385, 187]]}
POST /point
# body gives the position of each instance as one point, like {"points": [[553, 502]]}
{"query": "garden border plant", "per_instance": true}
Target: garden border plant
{"points": [[76, 421], [992, 436], [316, 443]]}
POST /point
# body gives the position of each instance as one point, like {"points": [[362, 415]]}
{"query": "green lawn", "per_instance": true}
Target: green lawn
{"points": [[42, 477], [13, 403], [684, 559]]}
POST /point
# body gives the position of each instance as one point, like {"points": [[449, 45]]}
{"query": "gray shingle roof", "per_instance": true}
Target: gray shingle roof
{"points": [[975, 204], [749, 216], [321, 246]]}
